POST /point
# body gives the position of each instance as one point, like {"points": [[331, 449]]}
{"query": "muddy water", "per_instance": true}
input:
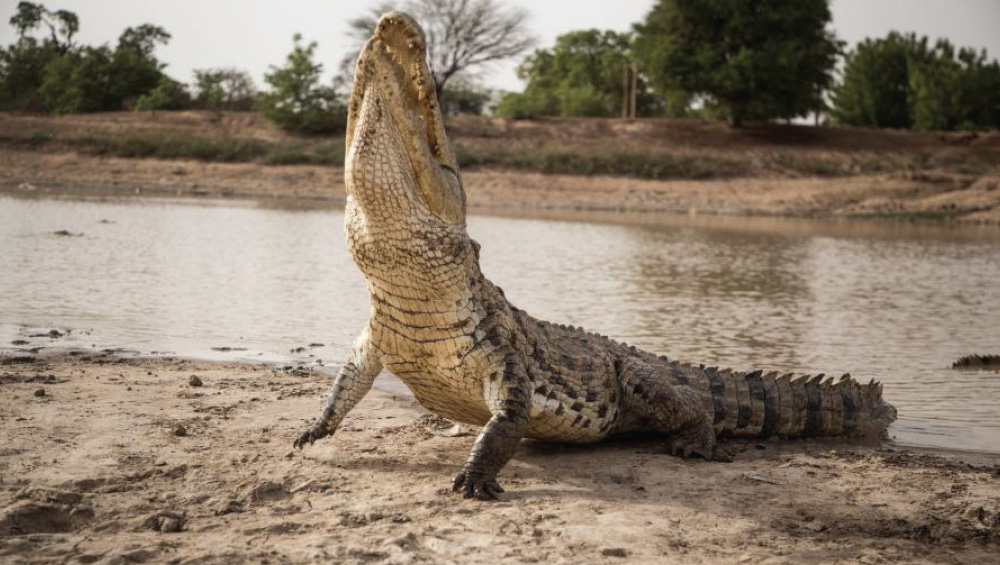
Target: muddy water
{"points": [[892, 302]]}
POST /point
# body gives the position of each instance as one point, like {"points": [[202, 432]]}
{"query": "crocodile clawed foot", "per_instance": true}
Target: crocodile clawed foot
{"points": [[477, 485], [722, 454], [697, 441], [310, 436]]}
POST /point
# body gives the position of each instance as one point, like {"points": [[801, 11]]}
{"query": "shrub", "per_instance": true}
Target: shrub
{"points": [[297, 102]]}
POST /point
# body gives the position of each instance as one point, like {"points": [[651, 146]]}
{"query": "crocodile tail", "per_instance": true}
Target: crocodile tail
{"points": [[756, 404]]}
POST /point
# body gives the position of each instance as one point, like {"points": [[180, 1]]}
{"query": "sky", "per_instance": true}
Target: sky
{"points": [[254, 34]]}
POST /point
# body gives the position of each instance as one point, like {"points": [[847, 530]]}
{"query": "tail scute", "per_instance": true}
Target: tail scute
{"points": [[765, 404]]}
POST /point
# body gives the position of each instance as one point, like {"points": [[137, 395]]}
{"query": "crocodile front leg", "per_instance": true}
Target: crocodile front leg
{"points": [[353, 382], [507, 392]]}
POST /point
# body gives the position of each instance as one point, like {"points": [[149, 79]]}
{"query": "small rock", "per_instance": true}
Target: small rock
{"points": [[406, 542], [229, 507], [614, 552], [40, 392], [165, 522], [759, 478], [180, 430], [455, 431], [171, 525], [195, 381]]}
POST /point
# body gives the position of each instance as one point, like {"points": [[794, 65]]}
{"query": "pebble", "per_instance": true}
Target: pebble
{"points": [[195, 381]]}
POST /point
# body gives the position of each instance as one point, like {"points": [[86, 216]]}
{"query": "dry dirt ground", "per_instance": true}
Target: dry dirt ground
{"points": [[112, 460]]}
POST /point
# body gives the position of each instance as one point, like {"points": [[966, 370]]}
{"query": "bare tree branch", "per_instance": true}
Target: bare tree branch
{"points": [[461, 34]]}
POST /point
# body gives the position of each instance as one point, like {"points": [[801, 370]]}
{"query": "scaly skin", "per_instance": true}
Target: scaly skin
{"points": [[468, 355], [977, 361]]}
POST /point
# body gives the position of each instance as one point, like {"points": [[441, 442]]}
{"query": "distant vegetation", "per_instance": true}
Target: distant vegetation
{"points": [[901, 81], [738, 60], [53, 74], [581, 76], [744, 60], [297, 101], [718, 59]]}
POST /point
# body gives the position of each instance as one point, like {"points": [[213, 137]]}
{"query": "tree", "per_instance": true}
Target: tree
{"points": [[143, 39], [22, 70], [101, 79], [61, 23], [902, 81], [753, 59], [461, 34], [52, 74], [224, 90], [875, 90], [465, 97], [23, 64], [297, 102], [168, 95], [581, 76]]}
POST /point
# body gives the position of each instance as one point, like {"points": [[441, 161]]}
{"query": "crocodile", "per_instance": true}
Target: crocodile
{"points": [[977, 361], [468, 355]]}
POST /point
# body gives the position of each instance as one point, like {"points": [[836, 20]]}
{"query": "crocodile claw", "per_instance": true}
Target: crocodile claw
{"points": [[698, 441], [310, 436], [478, 486]]}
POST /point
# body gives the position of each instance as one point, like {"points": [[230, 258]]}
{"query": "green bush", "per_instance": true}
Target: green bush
{"points": [[224, 90], [54, 74], [527, 105], [168, 95], [580, 76], [462, 97], [902, 81], [297, 102]]}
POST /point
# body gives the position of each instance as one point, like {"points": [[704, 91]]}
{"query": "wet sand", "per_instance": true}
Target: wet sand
{"points": [[100, 452], [965, 198]]}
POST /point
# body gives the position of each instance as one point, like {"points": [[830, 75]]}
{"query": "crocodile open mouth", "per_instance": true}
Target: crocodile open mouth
{"points": [[394, 60], [392, 70]]}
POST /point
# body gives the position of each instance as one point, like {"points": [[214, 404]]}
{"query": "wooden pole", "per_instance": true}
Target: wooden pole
{"points": [[635, 84], [625, 92]]}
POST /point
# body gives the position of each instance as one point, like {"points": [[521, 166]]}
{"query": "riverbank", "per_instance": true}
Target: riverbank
{"points": [[586, 165], [965, 199], [101, 451]]}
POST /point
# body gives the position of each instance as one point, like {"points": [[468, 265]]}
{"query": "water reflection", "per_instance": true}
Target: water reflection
{"points": [[886, 301]]}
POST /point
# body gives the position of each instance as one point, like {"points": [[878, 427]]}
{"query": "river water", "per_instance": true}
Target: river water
{"points": [[894, 302]]}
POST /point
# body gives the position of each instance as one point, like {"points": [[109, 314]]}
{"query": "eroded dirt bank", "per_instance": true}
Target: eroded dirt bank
{"points": [[98, 453], [964, 198]]}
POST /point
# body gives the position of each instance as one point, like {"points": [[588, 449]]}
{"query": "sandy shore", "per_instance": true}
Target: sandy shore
{"points": [[99, 452], [965, 198]]}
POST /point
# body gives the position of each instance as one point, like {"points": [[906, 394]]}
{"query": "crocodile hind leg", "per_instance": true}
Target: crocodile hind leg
{"points": [[507, 392], [657, 404]]}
